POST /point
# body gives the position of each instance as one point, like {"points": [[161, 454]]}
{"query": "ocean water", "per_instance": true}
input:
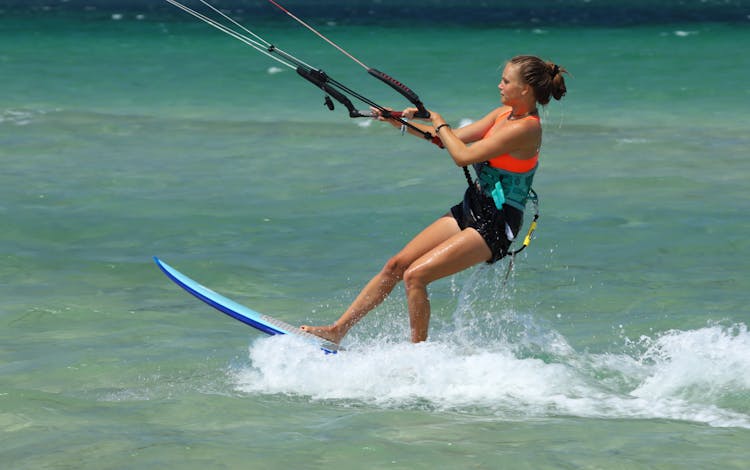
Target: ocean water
{"points": [[619, 341]]}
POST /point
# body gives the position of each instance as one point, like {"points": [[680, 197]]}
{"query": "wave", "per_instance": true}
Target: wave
{"points": [[22, 116], [698, 375]]}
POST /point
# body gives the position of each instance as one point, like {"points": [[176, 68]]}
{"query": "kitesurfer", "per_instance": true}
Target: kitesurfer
{"points": [[503, 147]]}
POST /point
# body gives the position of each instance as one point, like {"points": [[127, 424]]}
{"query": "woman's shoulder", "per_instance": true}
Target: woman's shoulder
{"points": [[491, 118], [499, 111]]}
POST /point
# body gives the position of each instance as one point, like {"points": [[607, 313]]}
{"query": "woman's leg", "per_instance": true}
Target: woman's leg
{"points": [[453, 255], [383, 283]]}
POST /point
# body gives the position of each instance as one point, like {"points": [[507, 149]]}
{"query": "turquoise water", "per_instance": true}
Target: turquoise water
{"points": [[620, 340]]}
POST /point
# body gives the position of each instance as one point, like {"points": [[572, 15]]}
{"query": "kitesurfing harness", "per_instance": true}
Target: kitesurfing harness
{"points": [[333, 88]]}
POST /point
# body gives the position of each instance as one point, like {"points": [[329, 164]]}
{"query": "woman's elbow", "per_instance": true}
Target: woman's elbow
{"points": [[462, 160]]}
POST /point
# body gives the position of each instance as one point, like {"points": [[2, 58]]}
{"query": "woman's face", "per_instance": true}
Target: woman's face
{"points": [[512, 88]]}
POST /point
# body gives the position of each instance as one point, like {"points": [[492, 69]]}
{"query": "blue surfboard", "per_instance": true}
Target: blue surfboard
{"points": [[248, 316]]}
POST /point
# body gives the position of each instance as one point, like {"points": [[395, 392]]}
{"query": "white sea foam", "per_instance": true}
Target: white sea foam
{"points": [[16, 116], [632, 140], [697, 365], [21, 117], [683, 375]]}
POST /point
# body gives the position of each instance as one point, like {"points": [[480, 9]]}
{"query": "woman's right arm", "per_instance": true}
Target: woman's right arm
{"points": [[468, 134]]}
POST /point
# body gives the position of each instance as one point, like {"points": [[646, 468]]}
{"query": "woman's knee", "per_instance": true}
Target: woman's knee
{"points": [[395, 267], [414, 277]]}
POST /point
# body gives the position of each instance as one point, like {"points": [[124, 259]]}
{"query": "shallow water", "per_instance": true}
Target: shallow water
{"points": [[620, 340]]}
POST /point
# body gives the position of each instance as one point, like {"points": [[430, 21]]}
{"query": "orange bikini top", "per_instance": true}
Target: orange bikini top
{"points": [[507, 161]]}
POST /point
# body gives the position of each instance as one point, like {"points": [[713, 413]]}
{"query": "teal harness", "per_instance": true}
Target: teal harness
{"points": [[513, 189], [505, 187]]}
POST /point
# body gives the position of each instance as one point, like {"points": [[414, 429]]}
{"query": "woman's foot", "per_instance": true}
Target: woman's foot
{"points": [[330, 333]]}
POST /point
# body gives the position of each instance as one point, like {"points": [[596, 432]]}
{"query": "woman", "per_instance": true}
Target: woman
{"points": [[504, 150]]}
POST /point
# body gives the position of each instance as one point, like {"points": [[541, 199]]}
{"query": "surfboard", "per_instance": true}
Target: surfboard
{"points": [[265, 323]]}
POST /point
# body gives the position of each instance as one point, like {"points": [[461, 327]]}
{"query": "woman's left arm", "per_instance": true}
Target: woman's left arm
{"points": [[510, 138]]}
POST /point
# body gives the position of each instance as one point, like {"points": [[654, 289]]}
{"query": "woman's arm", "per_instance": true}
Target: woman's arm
{"points": [[513, 137], [467, 134]]}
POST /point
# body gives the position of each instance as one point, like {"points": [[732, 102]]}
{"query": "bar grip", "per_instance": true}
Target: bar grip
{"points": [[403, 89], [418, 114]]}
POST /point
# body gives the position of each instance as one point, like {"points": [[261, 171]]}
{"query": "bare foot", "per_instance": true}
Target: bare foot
{"points": [[330, 333]]}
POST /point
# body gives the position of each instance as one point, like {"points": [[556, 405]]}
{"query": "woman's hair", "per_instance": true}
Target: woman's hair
{"points": [[545, 78]]}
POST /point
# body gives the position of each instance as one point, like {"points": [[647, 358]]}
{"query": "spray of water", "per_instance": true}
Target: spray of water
{"points": [[513, 365]]}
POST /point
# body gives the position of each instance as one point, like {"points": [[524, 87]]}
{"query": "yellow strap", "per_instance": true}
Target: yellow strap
{"points": [[527, 240]]}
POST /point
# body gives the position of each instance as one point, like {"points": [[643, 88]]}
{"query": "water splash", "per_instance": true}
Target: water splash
{"points": [[700, 375], [515, 365], [702, 365]]}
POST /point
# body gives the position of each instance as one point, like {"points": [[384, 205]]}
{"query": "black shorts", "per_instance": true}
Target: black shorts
{"points": [[479, 212]]}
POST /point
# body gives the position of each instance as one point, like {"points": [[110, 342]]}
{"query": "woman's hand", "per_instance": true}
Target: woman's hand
{"points": [[378, 114], [435, 118], [408, 113]]}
